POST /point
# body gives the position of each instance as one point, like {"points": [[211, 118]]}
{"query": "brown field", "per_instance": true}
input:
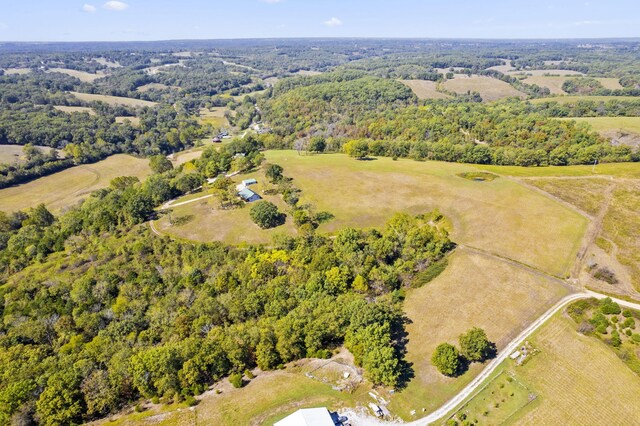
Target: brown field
{"points": [[66, 188], [19, 71], [113, 100], [135, 121], [554, 84], [474, 290], [546, 72], [186, 156], [578, 379], [107, 63], [307, 72], [425, 89], [10, 154], [489, 88], [71, 109], [81, 75], [151, 86]]}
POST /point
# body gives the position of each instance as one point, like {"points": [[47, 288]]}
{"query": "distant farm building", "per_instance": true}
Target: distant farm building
{"points": [[248, 195], [312, 417], [248, 182]]}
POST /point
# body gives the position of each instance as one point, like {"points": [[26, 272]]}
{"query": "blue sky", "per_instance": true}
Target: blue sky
{"points": [[87, 20]]}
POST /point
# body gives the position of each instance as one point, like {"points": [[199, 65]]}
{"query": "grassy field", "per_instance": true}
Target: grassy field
{"points": [[214, 116], [81, 75], [135, 121], [628, 170], [66, 188], [489, 88], [204, 221], [113, 100], [71, 109], [151, 86], [554, 83], [9, 154], [587, 194], [19, 71], [606, 125], [574, 99], [546, 72], [425, 89], [578, 379], [484, 214], [469, 293]]}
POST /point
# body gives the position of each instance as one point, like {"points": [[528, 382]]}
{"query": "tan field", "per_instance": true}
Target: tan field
{"points": [[214, 116], [135, 121], [578, 379], [554, 83], [151, 86], [570, 99], [475, 290], [81, 75], [10, 154], [425, 89], [18, 71], [490, 89], [71, 109], [66, 188], [546, 72], [113, 100]]}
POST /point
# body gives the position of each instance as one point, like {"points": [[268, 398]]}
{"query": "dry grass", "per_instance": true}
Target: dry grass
{"points": [[489, 215], [489, 88], [554, 83], [19, 71], [135, 121], [425, 89], [66, 188], [586, 194], [214, 116], [10, 154], [113, 100], [152, 86], [80, 75], [606, 125], [547, 72], [71, 109], [474, 290], [186, 156], [204, 221], [573, 99], [579, 380], [627, 170]]}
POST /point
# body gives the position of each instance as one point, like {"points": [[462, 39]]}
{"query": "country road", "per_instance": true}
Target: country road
{"points": [[358, 419]]}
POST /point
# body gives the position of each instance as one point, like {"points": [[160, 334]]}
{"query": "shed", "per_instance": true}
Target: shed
{"points": [[308, 417], [248, 182], [248, 195]]}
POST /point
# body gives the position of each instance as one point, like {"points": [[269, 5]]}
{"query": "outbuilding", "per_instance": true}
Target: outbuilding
{"points": [[311, 417], [248, 182], [248, 195]]}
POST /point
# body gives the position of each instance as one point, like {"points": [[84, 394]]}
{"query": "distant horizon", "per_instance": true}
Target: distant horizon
{"points": [[42, 21]]}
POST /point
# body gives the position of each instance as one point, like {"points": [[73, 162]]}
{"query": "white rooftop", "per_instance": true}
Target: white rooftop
{"points": [[307, 417]]}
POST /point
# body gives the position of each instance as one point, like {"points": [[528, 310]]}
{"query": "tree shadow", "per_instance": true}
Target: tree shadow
{"points": [[401, 339], [367, 158]]}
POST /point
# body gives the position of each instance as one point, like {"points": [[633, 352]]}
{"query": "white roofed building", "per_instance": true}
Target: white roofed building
{"points": [[308, 417]]}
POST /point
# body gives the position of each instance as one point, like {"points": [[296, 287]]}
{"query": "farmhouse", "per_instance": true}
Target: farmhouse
{"points": [[248, 195], [312, 417]]}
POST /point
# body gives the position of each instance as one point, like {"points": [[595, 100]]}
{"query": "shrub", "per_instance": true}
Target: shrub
{"points": [[474, 345], [266, 215], [236, 380], [627, 313], [249, 374], [606, 275], [609, 307], [191, 401]]}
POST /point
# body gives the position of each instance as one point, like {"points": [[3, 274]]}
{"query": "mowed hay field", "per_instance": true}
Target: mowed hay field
{"points": [[113, 100], [425, 89], [475, 290], [80, 75], [487, 215], [578, 380], [66, 188], [490, 89], [554, 83]]}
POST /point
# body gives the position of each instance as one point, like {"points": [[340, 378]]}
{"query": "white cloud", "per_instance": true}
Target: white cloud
{"points": [[333, 22], [89, 8], [115, 5]]}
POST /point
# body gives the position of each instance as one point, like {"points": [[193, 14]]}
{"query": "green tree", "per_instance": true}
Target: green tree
{"points": [[40, 216], [265, 214], [274, 173], [357, 148], [446, 358], [474, 345], [160, 164], [61, 401]]}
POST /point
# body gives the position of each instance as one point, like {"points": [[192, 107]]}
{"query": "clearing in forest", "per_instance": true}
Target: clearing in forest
{"points": [[83, 76], [425, 89], [554, 83], [12, 154], [476, 290], [71, 109], [66, 188], [490, 89], [620, 130], [113, 100], [214, 116], [564, 100], [547, 72]]}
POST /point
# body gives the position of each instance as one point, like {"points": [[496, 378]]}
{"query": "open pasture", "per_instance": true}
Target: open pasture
{"points": [[554, 83], [72, 109], [80, 75], [10, 154], [113, 100], [475, 290], [486, 214], [490, 89], [628, 170], [425, 89], [66, 188], [608, 125], [135, 121], [214, 116], [554, 72], [564, 100]]}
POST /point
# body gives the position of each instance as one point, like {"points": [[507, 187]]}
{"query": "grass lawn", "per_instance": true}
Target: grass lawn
{"points": [[113, 100], [578, 379], [488, 215], [474, 290], [573, 99], [627, 170], [425, 89], [489, 88], [204, 221], [69, 186]]}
